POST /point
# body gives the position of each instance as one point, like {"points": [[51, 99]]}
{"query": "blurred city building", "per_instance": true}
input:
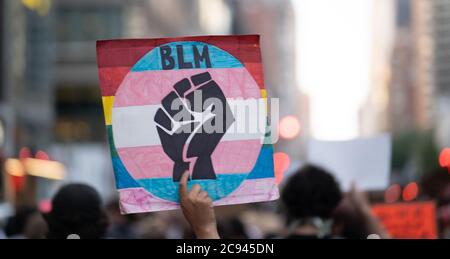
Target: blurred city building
{"points": [[275, 22], [421, 38], [441, 64], [2, 32], [410, 100], [403, 90], [399, 96], [374, 114], [415, 83], [27, 76]]}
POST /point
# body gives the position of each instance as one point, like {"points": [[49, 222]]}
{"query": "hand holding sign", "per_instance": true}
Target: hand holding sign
{"points": [[198, 209]]}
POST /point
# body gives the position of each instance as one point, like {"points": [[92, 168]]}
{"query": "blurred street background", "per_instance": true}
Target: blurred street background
{"points": [[342, 69]]}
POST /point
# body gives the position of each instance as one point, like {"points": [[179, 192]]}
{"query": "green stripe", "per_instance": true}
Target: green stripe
{"points": [[112, 147]]}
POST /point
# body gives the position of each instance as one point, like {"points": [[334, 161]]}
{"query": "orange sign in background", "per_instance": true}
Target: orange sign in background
{"points": [[408, 220]]}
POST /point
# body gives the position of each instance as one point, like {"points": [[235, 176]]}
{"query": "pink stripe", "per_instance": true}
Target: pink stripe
{"points": [[137, 200], [150, 87], [152, 162], [254, 190]]}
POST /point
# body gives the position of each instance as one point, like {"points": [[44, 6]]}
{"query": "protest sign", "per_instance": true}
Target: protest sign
{"points": [[408, 220], [191, 103], [365, 161]]}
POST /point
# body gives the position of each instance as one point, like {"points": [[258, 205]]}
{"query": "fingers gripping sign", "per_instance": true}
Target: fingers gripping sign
{"points": [[198, 209], [191, 122]]}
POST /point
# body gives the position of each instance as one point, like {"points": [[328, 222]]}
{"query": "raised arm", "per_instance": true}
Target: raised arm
{"points": [[374, 226], [198, 210]]}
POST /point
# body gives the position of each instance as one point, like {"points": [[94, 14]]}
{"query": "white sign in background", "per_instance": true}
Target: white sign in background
{"points": [[365, 161]]}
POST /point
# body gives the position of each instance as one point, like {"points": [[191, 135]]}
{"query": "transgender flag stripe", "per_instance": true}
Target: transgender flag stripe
{"points": [[135, 126]]}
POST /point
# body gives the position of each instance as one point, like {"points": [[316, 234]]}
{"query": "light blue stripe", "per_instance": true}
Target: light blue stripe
{"points": [[219, 58], [123, 178], [264, 164], [167, 189]]}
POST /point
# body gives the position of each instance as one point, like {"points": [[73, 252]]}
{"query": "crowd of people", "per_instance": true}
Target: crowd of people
{"points": [[311, 206]]}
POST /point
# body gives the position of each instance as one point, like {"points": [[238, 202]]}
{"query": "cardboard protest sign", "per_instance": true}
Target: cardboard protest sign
{"points": [[408, 220], [177, 104], [365, 161]]}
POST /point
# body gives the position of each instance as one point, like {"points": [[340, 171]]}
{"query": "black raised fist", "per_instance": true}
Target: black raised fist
{"points": [[192, 120]]}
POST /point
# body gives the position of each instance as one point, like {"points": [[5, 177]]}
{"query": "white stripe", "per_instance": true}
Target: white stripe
{"points": [[134, 126]]}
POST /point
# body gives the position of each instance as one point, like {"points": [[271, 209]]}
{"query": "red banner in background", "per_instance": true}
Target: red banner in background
{"points": [[408, 220]]}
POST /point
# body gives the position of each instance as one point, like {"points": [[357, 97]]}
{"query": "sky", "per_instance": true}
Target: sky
{"points": [[333, 61]]}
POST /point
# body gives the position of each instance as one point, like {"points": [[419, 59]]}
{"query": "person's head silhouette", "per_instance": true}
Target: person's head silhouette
{"points": [[76, 210]]}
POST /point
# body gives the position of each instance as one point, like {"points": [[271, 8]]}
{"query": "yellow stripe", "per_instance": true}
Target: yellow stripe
{"points": [[107, 108], [264, 96], [263, 93]]}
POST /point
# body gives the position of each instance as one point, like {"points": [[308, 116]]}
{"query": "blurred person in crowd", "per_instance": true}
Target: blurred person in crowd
{"points": [[76, 210], [232, 228], [15, 225], [436, 185], [310, 199], [443, 214], [35, 227], [121, 226], [152, 226], [353, 218], [348, 222]]}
